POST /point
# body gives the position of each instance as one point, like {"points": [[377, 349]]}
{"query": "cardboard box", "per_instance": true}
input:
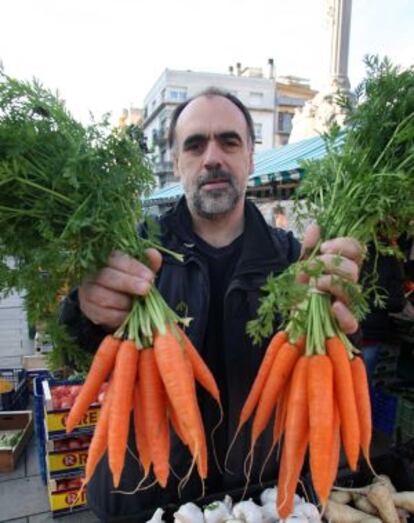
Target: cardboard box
{"points": [[65, 500], [67, 462], [12, 421], [55, 420], [34, 362]]}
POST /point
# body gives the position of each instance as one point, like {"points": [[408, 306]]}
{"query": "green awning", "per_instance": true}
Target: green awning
{"points": [[282, 164]]}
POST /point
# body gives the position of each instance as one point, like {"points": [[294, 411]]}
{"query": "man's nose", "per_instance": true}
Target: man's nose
{"points": [[212, 155]]}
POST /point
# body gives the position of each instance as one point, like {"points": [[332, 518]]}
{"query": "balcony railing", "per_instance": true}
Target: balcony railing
{"points": [[159, 136], [163, 168]]}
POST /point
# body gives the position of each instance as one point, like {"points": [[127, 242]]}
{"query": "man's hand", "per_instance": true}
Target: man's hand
{"points": [[342, 258], [105, 298]]}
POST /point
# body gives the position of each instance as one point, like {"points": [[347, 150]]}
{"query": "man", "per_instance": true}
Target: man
{"points": [[228, 253]]}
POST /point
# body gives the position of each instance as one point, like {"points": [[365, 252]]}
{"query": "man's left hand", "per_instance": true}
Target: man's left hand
{"points": [[342, 258]]}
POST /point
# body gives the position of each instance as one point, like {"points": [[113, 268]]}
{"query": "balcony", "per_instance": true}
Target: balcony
{"points": [[161, 168], [159, 137]]}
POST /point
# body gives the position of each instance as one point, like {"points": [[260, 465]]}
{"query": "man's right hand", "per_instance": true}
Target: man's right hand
{"points": [[105, 297]]}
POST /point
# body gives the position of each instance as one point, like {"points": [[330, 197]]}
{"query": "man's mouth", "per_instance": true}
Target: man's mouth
{"points": [[215, 184]]}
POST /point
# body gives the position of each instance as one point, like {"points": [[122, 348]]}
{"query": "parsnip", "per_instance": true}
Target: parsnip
{"points": [[340, 496], [361, 502], [340, 513], [404, 500], [380, 496]]}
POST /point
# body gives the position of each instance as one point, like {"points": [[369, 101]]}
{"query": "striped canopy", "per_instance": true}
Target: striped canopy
{"points": [[282, 164]]}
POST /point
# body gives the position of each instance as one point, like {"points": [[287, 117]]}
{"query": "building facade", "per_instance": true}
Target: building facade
{"points": [[291, 94]]}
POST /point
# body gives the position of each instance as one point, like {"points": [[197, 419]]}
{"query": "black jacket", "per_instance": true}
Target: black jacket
{"points": [[378, 325], [264, 250]]}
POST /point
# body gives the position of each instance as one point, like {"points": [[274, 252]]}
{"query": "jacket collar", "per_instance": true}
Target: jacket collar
{"points": [[260, 250]]}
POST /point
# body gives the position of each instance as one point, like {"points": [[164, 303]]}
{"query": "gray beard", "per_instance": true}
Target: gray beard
{"points": [[215, 202]]}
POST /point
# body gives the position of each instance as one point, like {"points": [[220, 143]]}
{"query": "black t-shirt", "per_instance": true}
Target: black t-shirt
{"points": [[221, 264]]}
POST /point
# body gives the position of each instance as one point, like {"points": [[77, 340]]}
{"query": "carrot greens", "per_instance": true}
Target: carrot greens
{"points": [[69, 195]]}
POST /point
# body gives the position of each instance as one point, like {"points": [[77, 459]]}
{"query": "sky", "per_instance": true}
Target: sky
{"points": [[105, 55]]}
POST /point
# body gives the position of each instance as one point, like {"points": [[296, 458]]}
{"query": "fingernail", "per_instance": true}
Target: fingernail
{"points": [[142, 287], [325, 246]]}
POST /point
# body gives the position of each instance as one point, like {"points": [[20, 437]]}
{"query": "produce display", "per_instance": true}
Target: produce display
{"points": [[64, 396], [374, 503], [247, 511], [81, 441], [10, 438], [68, 484]]}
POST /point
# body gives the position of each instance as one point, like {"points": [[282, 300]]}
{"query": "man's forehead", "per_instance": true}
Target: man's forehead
{"points": [[211, 115]]}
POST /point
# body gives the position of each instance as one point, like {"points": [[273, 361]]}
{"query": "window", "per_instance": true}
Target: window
{"points": [[284, 122], [178, 94], [256, 98], [258, 127]]}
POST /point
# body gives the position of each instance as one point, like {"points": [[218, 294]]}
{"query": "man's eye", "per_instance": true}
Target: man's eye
{"points": [[231, 143], [195, 146]]}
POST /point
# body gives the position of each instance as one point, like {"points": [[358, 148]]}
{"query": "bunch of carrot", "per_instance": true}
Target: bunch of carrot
{"points": [[357, 190], [158, 385], [318, 389]]}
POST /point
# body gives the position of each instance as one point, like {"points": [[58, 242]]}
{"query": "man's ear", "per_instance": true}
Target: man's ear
{"points": [[176, 170], [251, 161]]}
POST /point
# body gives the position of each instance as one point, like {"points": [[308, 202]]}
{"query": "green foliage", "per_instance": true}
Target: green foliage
{"points": [[66, 355], [363, 188], [69, 195]]}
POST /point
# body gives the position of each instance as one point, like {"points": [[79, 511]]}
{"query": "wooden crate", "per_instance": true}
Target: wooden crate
{"points": [[12, 421]]}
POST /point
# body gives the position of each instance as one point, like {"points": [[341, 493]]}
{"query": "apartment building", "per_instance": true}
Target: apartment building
{"points": [[291, 93]]}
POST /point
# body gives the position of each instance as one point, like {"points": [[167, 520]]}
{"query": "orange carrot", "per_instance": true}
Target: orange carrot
{"points": [[205, 378], [295, 440], [253, 397], [278, 425], [175, 423], [345, 397], [154, 405], [201, 372], [321, 409], [141, 441], [250, 404], [281, 411], [124, 381], [102, 364], [280, 372], [363, 402], [176, 372], [336, 446], [99, 440]]}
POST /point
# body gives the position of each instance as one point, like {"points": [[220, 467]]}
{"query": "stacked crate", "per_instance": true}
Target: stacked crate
{"points": [[62, 457], [18, 396]]}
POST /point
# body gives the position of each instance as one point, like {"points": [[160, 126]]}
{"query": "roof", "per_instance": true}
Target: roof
{"points": [[280, 164]]}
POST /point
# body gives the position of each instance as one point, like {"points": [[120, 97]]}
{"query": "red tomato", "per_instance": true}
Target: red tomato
{"points": [[74, 483], [74, 390], [74, 444], [61, 485]]}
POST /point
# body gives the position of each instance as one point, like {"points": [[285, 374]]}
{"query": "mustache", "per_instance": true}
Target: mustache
{"points": [[213, 175]]}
